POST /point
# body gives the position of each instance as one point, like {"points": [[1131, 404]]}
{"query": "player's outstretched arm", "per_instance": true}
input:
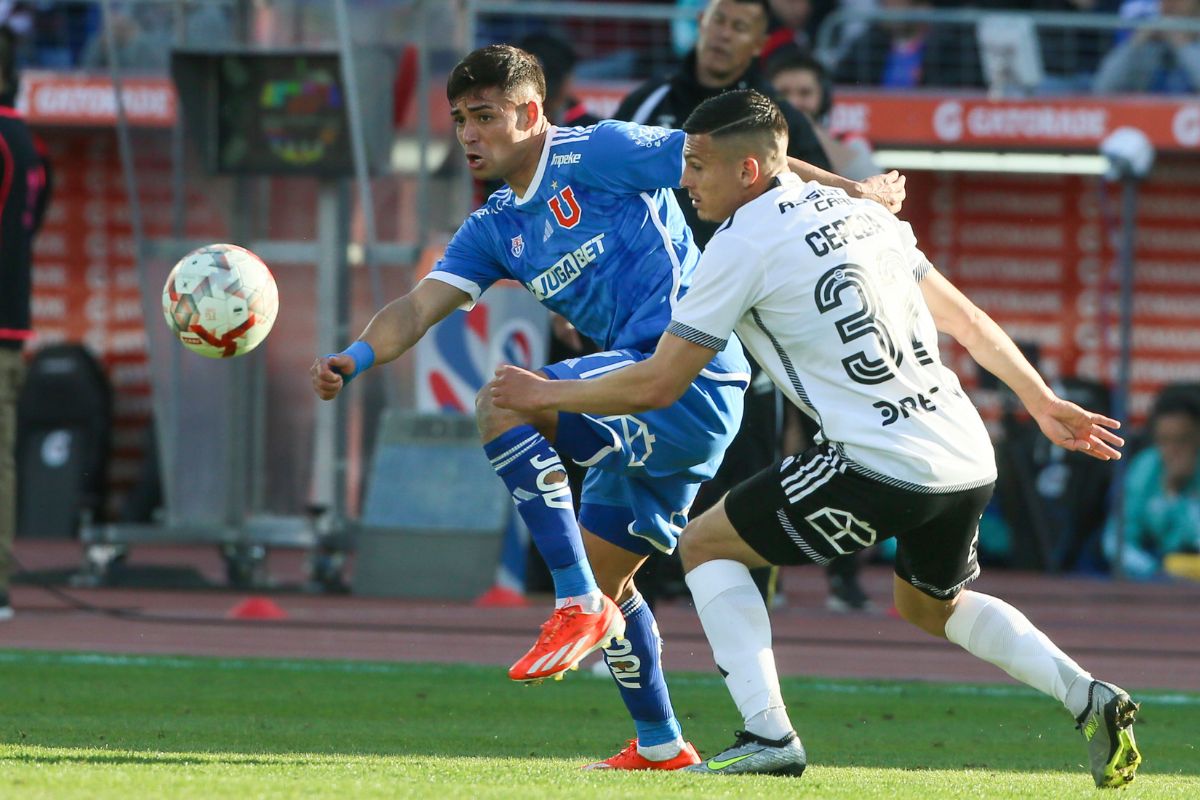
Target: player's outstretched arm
{"points": [[656, 382], [887, 189], [1064, 423], [392, 332]]}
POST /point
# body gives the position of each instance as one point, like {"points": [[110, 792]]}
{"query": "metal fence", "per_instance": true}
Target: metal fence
{"points": [[1005, 52], [1011, 53]]}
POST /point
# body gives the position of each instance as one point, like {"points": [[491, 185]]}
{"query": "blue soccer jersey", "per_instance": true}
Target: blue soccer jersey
{"points": [[598, 236]]}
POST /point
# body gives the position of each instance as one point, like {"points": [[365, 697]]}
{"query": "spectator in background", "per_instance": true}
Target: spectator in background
{"points": [[802, 81], [908, 55], [732, 34], [1163, 61], [1162, 490], [25, 176], [789, 27]]}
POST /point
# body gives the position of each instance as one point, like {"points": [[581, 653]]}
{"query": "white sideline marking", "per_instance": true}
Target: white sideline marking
{"points": [[1160, 697]]}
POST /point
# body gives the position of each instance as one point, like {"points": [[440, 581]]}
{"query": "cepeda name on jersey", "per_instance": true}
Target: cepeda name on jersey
{"points": [[566, 269], [839, 233]]}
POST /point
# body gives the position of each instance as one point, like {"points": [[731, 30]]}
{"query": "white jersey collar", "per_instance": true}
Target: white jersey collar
{"points": [[532, 189]]}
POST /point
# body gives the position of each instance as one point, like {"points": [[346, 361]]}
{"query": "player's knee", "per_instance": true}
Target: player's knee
{"points": [[489, 418], [697, 545], [917, 608], [687, 552], [614, 582], [493, 420]]}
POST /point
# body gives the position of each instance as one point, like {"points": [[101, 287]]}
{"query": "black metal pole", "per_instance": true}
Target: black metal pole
{"points": [[1121, 400]]}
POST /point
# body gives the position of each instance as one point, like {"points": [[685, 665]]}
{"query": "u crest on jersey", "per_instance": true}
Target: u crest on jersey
{"points": [[565, 208]]}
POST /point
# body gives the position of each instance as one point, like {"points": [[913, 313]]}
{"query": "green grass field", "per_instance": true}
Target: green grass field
{"points": [[77, 725]]}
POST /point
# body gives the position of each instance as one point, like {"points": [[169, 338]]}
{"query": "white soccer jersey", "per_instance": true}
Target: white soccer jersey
{"points": [[823, 291]]}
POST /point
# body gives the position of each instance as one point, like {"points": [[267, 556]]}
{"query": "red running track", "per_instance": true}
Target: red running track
{"points": [[1136, 635]]}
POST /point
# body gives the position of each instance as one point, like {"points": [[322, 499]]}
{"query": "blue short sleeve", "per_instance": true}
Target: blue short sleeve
{"points": [[627, 158], [468, 263]]}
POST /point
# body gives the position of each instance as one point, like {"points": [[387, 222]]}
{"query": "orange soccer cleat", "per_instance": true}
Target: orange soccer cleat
{"points": [[566, 638], [630, 758]]}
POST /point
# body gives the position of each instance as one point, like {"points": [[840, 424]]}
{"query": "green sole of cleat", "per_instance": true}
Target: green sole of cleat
{"points": [[1125, 761], [1123, 768]]}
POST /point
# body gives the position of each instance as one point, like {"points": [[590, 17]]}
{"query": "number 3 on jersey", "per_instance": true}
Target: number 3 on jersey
{"points": [[830, 294]]}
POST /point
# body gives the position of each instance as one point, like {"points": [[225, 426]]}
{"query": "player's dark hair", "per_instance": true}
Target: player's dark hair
{"points": [[497, 66], [765, 5], [556, 56], [743, 111]]}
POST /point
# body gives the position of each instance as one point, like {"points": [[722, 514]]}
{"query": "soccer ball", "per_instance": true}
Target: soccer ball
{"points": [[220, 300]]}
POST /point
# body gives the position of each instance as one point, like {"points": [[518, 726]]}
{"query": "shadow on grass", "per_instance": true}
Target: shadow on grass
{"points": [[168, 759]]}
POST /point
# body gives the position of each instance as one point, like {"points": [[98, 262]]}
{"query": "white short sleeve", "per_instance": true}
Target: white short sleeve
{"points": [[728, 282], [916, 259]]}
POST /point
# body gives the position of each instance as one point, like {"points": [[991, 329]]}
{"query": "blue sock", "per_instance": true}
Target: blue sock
{"points": [[636, 665], [524, 460]]}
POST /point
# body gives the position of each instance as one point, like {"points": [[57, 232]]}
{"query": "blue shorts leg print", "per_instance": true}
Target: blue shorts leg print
{"points": [[653, 462]]}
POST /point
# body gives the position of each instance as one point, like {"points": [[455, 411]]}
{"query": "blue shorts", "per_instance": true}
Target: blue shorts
{"points": [[650, 463]]}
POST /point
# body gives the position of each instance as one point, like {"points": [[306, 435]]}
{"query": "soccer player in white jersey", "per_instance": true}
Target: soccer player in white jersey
{"points": [[833, 298], [589, 224]]}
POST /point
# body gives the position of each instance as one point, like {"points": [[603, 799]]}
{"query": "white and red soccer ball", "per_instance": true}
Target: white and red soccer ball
{"points": [[220, 300]]}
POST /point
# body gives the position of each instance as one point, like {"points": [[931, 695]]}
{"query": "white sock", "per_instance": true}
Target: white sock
{"points": [[661, 752], [591, 603], [735, 621], [991, 629], [770, 724]]}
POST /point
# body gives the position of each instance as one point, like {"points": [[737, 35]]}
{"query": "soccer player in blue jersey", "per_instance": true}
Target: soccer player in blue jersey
{"points": [[589, 225]]}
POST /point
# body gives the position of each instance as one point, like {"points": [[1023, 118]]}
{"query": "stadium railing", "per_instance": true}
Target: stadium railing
{"points": [[1009, 53]]}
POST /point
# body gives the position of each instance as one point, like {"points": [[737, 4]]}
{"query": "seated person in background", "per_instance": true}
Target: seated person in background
{"points": [[790, 25], [908, 55], [802, 81], [1162, 491], [1159, 61]]}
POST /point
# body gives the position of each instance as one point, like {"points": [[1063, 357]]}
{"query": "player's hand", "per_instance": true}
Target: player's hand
{"points": [[327, 374], [887, 190], [518, 389], [1075, 428]]}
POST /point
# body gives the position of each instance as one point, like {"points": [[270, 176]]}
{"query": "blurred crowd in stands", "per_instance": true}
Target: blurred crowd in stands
{"points": [[68, 35], [1101, 46]]}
